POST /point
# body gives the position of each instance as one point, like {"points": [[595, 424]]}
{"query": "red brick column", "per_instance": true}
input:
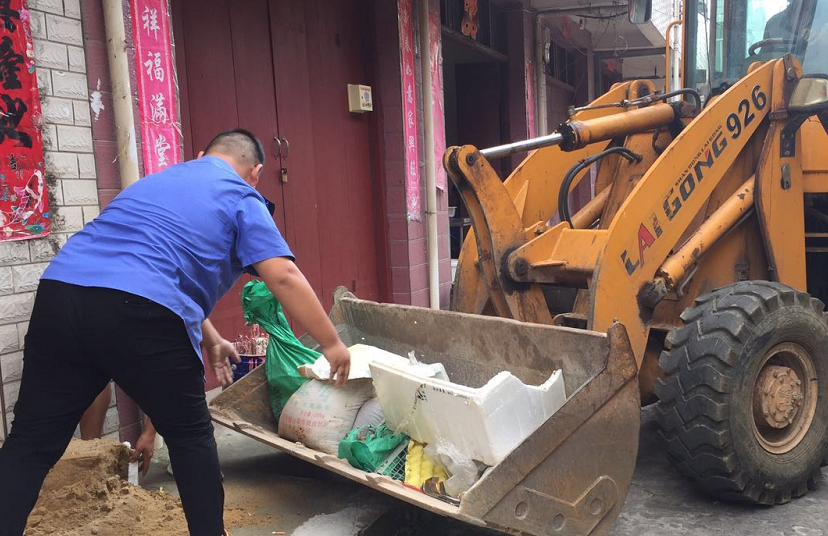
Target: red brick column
{"points": [[407, 244]]}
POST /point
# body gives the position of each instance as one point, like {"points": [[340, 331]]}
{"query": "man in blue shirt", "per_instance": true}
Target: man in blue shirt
{"points": [[128, 297]]}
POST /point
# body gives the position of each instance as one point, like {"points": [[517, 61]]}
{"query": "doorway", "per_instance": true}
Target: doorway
{"points": [[475, 112]]}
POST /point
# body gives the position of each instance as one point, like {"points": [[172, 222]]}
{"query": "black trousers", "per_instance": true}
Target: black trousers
{"points": [[79, 338]]}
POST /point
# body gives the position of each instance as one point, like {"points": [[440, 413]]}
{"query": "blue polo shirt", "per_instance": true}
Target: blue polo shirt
{"points": [[181, 238]]}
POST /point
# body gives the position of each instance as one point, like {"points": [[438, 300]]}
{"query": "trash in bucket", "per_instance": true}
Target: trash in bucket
{"points": [[482, 424]]}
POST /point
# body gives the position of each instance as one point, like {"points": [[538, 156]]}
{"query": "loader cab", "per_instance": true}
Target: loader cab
{"points": [[722, 38]]}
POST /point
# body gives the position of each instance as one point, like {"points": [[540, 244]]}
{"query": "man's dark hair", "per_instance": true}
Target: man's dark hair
{"points": [[239, 143]]}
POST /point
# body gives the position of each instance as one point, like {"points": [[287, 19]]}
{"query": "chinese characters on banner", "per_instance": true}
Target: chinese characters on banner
{"points": [[412, 168], [439, 118], [24, 204], [160, 133]]}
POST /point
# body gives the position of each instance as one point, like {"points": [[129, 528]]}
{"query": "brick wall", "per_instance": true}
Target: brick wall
{"points": [[71, 177]]}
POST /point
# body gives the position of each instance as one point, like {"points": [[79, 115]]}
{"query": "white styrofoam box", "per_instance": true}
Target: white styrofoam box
{"points": [[362, 355], [483, 424]]}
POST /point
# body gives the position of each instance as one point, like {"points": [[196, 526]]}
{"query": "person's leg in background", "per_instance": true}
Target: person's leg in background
{"points": [[58, 384], [158, 368], [92, 421]]}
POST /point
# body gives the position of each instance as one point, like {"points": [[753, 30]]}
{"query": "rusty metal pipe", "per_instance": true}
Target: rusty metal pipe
{"points": [[591, 211], [579, 134], [714, 228]]}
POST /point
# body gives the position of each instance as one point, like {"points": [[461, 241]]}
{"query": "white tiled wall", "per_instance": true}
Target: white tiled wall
{"points": [[67, 140]]}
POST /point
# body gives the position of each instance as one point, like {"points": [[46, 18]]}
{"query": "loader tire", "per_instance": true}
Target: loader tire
{"points": [[743, 401]]}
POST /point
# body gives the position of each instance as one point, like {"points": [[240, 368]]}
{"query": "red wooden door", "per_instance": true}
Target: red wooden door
{"points": [[220, 51], [333, 193], [280, 68]]}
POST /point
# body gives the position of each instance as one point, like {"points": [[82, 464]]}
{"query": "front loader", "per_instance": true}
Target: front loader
{"points": [[705, 239], [693, 278]]}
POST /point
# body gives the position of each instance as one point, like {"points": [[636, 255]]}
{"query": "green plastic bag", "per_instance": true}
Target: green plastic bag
{"points": [[284, 351], [367, 447]]}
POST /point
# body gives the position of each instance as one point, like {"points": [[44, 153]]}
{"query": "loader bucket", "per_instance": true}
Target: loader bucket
{"points": [[570, 477]]}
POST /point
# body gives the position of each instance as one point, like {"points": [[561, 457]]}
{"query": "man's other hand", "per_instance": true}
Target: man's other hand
{"points": [[218, 355], [144, 449], [340, 359]]}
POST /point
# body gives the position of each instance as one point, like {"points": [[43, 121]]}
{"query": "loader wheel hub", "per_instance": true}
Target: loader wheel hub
{"points": [[778, 396], [784, 398]]}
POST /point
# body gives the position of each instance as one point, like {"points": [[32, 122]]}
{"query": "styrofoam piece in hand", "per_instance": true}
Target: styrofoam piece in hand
{"points": [[483, 424], [362, 355], [132, 476]]}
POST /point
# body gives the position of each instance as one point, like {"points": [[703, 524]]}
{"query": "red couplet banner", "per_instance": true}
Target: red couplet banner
{"points": [[438, 115], [160, 133], [409, 89], [24, 203]]}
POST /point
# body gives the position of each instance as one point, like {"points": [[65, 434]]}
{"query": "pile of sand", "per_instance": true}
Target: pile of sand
{"points": [[86, 493]]}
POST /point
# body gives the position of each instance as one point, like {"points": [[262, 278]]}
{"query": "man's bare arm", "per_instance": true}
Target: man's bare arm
{"points": [[210, 334], [288, 284]]}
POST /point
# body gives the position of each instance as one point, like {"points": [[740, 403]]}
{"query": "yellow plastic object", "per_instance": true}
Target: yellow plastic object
{"points": [[418, 468]]}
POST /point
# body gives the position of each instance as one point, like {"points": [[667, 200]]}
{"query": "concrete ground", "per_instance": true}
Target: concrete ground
{"points": [[282, 495]]}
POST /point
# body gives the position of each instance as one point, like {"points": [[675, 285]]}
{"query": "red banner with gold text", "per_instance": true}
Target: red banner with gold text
{"points": [[24, 204]]}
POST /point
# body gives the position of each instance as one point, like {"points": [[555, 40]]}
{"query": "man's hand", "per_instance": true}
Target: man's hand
{"points": [[340, 359], [218, 354], [291, 288], [144, 447]]}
